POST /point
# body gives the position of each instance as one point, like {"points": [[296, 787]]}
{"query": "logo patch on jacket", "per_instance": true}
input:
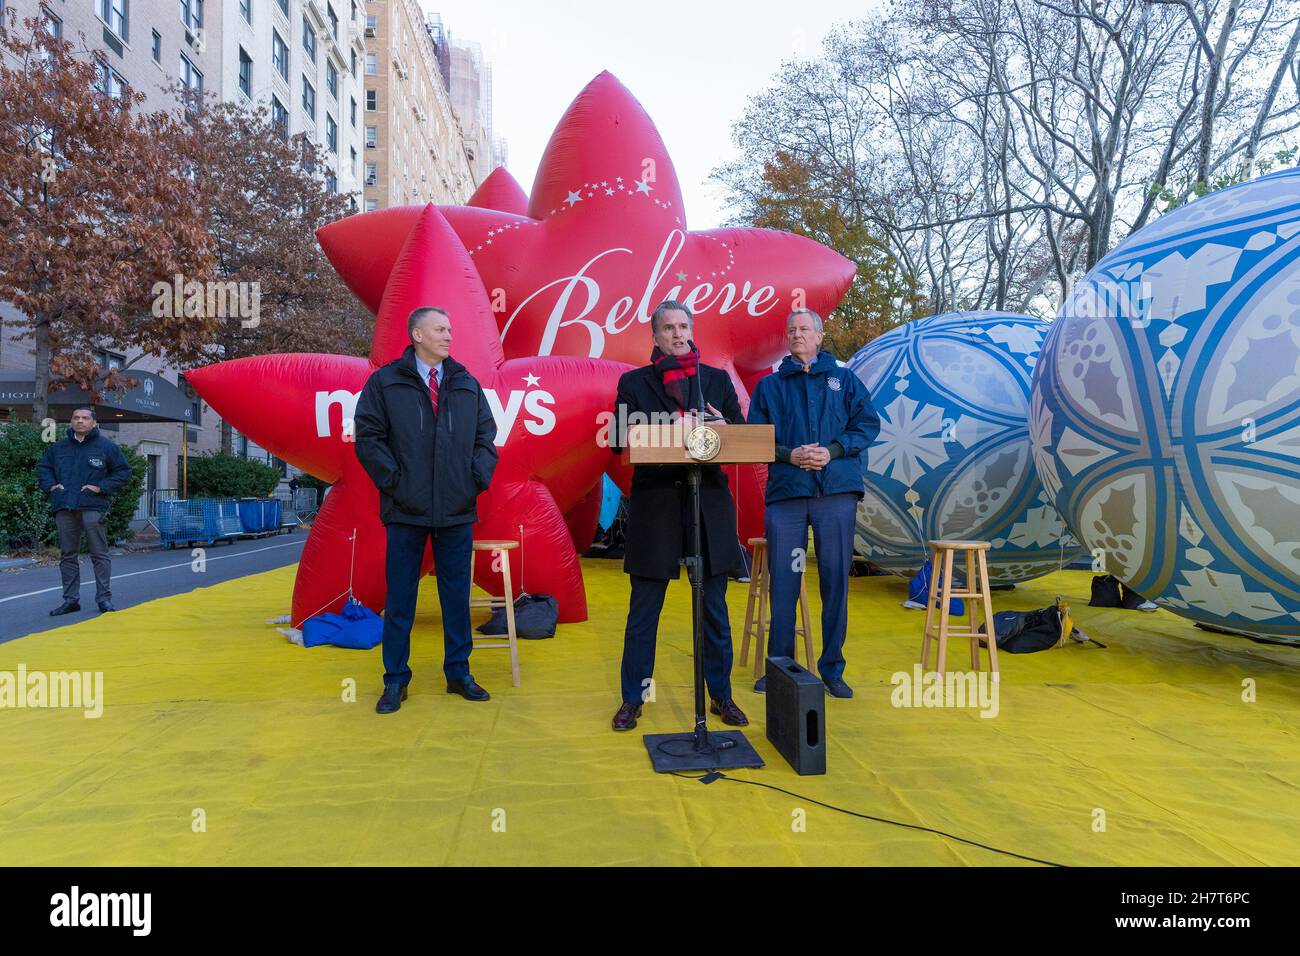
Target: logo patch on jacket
{"points": [[833, 384], [96, 462]]}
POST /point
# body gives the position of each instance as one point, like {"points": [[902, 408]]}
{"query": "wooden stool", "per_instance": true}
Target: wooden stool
{"points": [[759, 584], [507, 602], [977, 590]]}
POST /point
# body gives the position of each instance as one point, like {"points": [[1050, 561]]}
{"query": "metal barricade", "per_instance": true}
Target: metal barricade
{"points": [[303, 505], [192, 521]]}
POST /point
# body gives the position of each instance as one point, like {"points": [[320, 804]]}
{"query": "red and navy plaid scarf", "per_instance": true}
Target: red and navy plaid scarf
{"points": [[674, 370]]}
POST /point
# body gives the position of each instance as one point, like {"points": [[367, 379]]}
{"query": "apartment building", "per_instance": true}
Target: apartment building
{"points": [[360, 78], [415, 150]]}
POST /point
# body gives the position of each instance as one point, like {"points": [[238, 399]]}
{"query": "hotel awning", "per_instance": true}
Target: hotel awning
{"points": [[152, 399]]}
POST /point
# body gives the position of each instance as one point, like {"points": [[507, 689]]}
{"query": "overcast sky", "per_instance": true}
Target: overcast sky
{"points": [[691, 64]]}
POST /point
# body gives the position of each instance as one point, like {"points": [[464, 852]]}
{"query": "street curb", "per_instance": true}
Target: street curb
{"points": [[7, 563]]}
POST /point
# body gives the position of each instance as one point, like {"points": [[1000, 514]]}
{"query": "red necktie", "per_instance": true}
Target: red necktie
{"points": [[433, 389]]}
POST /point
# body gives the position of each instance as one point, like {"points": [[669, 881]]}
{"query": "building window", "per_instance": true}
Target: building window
{"points": [[372, 137], [372, 23], [115, 14], [279, 117], [334, 20], [332, 80], [53, 25], [372, 205], [279, 55], [157, 47], [331, 134], [372, 64], [308, 97], [372, 173], [372, 100], [192, 14], [354, 63], [354, 112], [110, 83], [331, 183], [308, 39], [191, 78], [246, 10], [245, 72]]}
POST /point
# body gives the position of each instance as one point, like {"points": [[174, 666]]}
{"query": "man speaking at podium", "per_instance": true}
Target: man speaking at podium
{"points": [[676, 385]]}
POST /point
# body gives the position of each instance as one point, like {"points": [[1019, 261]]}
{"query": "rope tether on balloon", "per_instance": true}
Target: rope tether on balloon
{"points": [[345, 594]]}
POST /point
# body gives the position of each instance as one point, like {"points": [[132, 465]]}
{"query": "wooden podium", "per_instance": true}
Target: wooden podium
{"points": [[693, 446]]}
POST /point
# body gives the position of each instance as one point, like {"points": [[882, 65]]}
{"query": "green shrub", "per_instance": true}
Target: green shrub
{"points": [[25, 518], [218, 475]]}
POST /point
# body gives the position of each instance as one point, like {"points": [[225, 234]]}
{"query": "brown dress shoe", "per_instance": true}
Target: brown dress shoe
{"points": [[626, 717], [730, 713]]}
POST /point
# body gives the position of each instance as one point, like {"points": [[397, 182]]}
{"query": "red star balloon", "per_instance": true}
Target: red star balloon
{"points": [[602, 241], [548, 412]]}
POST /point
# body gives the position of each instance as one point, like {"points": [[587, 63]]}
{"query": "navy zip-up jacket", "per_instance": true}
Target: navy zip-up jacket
{"points": [[95, 460], [827, 405]]}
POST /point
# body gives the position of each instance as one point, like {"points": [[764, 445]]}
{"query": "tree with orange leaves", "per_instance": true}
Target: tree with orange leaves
{"points": [[95, 205]]}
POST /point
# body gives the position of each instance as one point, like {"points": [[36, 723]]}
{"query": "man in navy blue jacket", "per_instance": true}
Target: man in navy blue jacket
{"points": [[824, 422], [79, 473]]}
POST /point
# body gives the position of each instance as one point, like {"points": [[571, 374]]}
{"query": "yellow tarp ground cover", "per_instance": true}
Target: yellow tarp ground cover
{"points": [[208, 708]]}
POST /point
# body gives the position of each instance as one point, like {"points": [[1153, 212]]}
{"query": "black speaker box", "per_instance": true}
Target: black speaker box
{"points": [[796, 715]]}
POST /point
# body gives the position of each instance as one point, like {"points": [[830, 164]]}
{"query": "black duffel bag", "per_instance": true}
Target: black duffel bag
{"points": [[536, 616]]}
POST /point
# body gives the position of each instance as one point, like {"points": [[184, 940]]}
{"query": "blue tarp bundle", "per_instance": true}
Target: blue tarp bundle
{"points": [[919, 590], [355, 626]]}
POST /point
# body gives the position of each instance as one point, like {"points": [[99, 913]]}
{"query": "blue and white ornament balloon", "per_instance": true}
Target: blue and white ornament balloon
{"points": [[1166, 409], [953, 458]]}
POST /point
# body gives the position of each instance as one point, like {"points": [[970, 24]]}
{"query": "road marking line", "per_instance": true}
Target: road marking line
{"points": [[169, 567]]}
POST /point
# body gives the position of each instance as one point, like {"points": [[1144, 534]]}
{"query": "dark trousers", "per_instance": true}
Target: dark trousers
{"points": [[452, 554], [643, 628], [786, 523], [71, 525]]}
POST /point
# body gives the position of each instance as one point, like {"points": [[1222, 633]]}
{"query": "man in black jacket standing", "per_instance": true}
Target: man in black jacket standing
{"points": [[426, 436], [676, 385], [79, 473]]}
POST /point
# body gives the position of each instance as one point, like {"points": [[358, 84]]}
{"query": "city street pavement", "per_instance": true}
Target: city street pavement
{"points": [[27, 595]]}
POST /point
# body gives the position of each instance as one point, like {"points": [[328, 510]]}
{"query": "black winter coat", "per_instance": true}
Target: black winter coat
{"points": [[658, 519], [95, 460], [429, 469]]}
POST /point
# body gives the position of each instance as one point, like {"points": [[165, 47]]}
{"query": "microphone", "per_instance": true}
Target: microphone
{"points": [[703, 413]]}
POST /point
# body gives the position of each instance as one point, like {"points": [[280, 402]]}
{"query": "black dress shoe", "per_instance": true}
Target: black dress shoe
{"points": [[626, 717], [67, 607], [391, 699], [837, 688], [760, 685], [467, 689], [106, 606], [730, 713]]}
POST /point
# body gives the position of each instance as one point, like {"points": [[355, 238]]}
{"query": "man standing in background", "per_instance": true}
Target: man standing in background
{"points": [[79, 473]]}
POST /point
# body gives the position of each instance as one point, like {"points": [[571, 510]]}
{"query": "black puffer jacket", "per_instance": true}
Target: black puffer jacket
{"points": [[429, 470], [95, 460]]}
